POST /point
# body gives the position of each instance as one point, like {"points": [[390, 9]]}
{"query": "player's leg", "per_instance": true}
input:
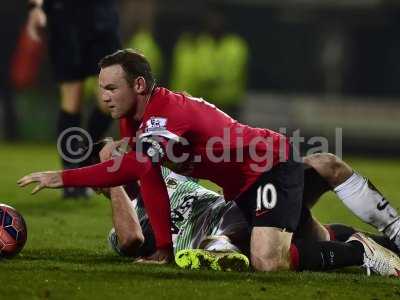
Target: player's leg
{"points": [[341, 232], [102, 38], [314, 186], [275, 215], [233, 225], [273, 249], [358, 194], [269, 249], [76, 49], [358, 250], [310, 228], [272, 207], [272, 245], [99, 120], [317, 247], [330, 167], [69, 117], [71, 96], [64, 46]]}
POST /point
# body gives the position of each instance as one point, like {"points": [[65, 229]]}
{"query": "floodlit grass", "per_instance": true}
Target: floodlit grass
{"points": [[67, 256]]}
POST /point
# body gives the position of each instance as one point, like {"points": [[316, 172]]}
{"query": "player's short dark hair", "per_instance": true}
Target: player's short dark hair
{"points": [[132, 62]]}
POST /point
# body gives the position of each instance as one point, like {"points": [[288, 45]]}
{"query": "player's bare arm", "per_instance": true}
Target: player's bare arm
{"points": [[125, 221], [357, 193], [47, 179], [124, 217], [99, 176]]}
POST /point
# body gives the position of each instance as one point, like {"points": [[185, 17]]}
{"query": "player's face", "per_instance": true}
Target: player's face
{"points": [[117, 94]]}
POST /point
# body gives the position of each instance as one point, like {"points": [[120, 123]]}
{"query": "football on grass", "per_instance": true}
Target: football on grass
{"points": [[13, 232]]}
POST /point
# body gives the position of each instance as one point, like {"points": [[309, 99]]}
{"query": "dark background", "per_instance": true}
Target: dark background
{"points": [[348, 51]]}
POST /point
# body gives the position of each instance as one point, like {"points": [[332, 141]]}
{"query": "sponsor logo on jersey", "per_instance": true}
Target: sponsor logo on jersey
{"points": [[156, 124], [171, 183]]}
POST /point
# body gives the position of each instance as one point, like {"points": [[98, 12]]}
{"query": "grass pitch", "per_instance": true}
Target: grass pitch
{"points": [[67, 256]]}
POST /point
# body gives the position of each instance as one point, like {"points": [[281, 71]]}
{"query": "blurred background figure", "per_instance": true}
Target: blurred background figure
{"points": [[79, 34], [144, 41], [184, 62], [334, 59], [10, 32], [212, 64], [139, 32], [308, 64]]}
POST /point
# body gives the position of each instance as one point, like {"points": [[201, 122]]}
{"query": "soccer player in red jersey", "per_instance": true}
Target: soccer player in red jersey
{"points": [[255, 167]]}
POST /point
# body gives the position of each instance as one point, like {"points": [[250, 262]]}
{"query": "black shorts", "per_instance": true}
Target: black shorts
{"points": [[314, 187], [79, 35], [275, 199]]}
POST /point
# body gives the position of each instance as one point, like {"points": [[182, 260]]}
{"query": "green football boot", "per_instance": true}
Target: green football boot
{"points": [[195, 259], [230, 261]]}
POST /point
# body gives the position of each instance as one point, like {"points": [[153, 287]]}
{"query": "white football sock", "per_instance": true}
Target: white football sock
{"points": [[366, 202]]}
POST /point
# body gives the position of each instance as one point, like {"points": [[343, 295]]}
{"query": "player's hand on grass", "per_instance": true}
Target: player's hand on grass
{"points": [[160, 257], [36, 23], [49, 179]]}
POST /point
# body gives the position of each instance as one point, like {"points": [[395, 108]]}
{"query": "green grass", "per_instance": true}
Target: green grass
{"points": [[67, 257]]}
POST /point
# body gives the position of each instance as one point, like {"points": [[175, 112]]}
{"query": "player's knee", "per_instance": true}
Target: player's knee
{"points": [[329, 166], [318, 160], [337, 170], [270, 264]]}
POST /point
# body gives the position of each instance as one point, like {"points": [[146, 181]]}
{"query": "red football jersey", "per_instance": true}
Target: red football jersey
{"points": [[207, 143], [199, 140]]}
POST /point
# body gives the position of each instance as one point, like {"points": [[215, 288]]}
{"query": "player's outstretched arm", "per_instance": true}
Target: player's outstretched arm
{"points": [[114, 172], [48, 179]]}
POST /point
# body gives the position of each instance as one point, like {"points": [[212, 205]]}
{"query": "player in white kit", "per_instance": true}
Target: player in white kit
{"points": [[201, 219]]}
